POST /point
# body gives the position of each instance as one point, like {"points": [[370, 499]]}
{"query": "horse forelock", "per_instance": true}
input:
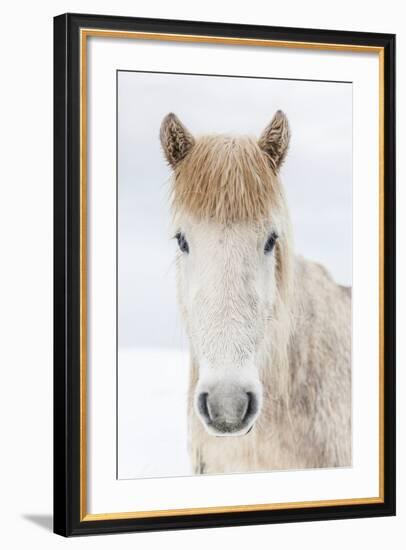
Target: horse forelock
{"points": [[227, 180]]}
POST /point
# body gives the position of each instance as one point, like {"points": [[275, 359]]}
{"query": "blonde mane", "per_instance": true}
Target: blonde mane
{"points": [[226, 179]]}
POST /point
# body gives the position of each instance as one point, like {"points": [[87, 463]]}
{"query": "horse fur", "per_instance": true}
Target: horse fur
{"points": [[228, 190]]}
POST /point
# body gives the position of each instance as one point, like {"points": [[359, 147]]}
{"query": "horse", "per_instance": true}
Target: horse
{"points": [[269, 331]]}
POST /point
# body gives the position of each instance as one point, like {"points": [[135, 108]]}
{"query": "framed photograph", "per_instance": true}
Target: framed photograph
{"points": [[224, 274]]}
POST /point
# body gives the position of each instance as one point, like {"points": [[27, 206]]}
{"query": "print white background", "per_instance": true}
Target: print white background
{"points": [[317, 178]]}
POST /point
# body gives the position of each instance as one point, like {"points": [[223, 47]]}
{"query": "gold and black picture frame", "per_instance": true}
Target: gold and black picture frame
{"points": [[242, 372]]}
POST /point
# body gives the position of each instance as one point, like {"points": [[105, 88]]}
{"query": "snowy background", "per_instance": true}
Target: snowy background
{"points": [[152, 348]]}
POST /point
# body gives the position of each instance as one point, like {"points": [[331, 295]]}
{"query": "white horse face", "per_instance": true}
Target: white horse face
{"points": [[227, 269], [227, 286]]}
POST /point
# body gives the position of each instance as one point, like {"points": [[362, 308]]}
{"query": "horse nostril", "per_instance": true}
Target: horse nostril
{"points": [[202, 406], [252, 407]]}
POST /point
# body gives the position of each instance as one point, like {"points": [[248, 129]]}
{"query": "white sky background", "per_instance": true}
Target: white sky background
{"points": [[317, 177]]}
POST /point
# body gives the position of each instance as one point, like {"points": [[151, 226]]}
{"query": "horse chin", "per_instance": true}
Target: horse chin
{"points": [[227, 432]]}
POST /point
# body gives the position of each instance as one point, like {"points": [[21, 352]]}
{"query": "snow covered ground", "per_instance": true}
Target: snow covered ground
{"points": [[152, 420]]}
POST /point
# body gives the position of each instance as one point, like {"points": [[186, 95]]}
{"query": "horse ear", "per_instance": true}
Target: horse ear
{"points": [[176, 140], [275, 139]]}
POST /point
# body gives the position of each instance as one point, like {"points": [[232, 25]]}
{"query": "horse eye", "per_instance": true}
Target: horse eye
{"points": [[182, 242], [270, 243]]}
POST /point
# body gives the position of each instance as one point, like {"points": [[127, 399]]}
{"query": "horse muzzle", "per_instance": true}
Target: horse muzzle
{"points": [[227, 409]]}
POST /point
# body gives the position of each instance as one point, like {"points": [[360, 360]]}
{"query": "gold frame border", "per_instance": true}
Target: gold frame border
{"points": [[84, 34]]}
